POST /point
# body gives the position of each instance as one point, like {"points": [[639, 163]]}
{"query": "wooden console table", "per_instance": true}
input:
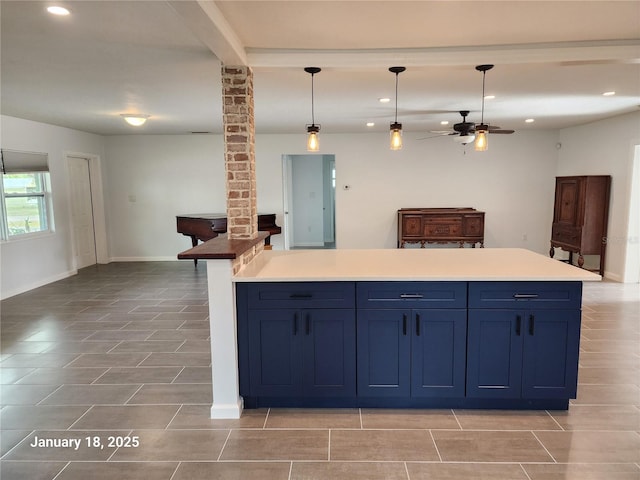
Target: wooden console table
{"points": [[440, 225]]}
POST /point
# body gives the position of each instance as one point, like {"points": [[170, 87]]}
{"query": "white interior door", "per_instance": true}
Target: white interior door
{"points": [[82, 212]]}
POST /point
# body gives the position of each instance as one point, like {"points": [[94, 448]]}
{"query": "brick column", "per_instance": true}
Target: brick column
{"points": [[239, 151]]}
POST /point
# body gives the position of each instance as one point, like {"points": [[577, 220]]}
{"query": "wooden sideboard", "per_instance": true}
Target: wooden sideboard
{"points": [[580, 216], [440, 225]]}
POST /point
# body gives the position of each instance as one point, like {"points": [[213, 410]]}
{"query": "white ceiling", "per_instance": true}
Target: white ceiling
{"points": [[554, 59]]}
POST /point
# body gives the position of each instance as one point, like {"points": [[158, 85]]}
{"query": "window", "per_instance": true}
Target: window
{"points": [[25, 194]]}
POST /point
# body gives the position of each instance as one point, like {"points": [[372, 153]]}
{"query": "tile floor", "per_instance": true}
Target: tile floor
{"points": [[121, 351]]}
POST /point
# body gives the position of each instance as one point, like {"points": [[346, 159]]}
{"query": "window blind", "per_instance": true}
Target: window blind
{"points": [[13, 161]]}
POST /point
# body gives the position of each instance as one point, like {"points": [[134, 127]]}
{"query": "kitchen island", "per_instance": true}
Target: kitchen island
{"points": [[441, 328]]}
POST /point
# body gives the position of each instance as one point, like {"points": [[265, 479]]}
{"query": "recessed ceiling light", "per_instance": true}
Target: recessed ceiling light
{"points": [[530, 120], [370, 124], [609, 94], [57, 10], [489, 97], [444, 122], [135, 119], [384, 100]]}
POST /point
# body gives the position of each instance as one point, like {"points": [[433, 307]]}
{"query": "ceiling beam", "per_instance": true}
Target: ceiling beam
{"points": [[614, 51], [209, 25]]}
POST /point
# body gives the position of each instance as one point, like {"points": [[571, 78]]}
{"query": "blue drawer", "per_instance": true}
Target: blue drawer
{"points": [[300, 294], [412, 294], [525, 295]]}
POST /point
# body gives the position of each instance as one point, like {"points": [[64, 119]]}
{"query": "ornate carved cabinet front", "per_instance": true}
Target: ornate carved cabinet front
{"points": [[440, 225]]}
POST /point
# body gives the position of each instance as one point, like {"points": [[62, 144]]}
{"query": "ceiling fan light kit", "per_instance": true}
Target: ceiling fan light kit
{"points": [[313, 143], [395, 129]]}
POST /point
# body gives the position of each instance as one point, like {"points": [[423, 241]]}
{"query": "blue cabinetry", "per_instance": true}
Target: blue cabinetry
{"points": [[523, 340], [413, 344], [411, 352], [294, 341]]}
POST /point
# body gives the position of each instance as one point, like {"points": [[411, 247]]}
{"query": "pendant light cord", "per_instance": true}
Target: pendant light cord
{"points": [[313, 121], [484, 74], [396, 118]]}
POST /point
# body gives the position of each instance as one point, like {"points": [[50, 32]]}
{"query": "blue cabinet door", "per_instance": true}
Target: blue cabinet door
{"points": [[384, 356], [274, 352], [494, 353], [438, 352], [523, 353], [328, 353], [297, 353], [551, 344]]}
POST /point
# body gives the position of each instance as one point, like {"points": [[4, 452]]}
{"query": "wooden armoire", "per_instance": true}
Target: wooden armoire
{"points": [[580, 215]]}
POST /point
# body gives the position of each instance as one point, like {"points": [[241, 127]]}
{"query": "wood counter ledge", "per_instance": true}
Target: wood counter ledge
{"points": [[221, 248]]}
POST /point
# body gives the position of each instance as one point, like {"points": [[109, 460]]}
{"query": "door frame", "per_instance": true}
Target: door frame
{"points": [[97, 205]]}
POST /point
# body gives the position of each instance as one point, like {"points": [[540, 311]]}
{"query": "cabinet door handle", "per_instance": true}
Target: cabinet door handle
{"points": [[418, 324], [307, 323], [518, 324], [295, 323], [532, 320], [411, 295], [404, 324], [525, 295]]}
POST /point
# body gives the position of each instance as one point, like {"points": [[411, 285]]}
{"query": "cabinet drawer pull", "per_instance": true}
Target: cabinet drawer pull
{"points": [[532, 320], [417, 324], [525, 295], [518, 324], [411, 295], [295, 323], [404, 324], [301, 295]]}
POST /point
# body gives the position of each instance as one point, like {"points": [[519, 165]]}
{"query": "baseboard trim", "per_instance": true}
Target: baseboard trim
{"points": [[38, 284]]}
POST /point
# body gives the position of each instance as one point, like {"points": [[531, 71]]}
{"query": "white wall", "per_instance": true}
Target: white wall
{"points": [[29, 263], [607, 148], [513, 182], [153, 178]]}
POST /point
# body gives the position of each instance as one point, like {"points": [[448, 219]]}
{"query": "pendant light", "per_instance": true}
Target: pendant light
{"points": [[482, 130], [395, 129], [313, 144]]}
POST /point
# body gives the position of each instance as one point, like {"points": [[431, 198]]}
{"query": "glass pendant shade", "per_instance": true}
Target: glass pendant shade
{"points": [[313, 143], [482, 141], [395, 136]]}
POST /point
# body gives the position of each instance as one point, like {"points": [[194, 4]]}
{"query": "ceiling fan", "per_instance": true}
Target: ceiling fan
{"points": [[466, 132]]}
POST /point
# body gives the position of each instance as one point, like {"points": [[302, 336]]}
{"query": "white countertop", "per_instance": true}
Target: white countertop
{"points": [[436, 264]]}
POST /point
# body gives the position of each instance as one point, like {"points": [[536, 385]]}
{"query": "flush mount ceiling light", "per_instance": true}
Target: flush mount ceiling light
{"points": [[135, 119], [58, 10], [395, 129], [313, 144]]}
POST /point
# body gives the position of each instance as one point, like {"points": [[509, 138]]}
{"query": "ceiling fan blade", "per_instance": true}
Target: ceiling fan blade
{"points": [[443, 132], [436, 136]]}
